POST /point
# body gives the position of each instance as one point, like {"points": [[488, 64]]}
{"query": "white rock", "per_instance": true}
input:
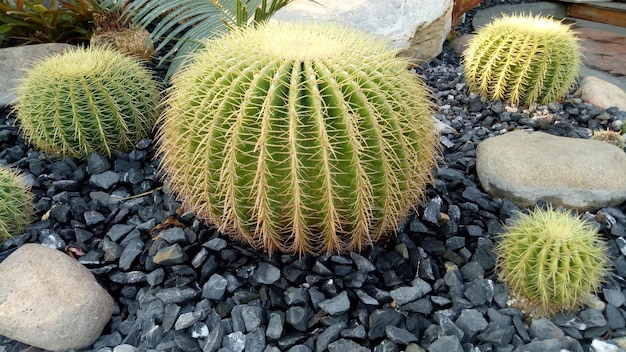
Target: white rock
{"points": [[525, 167], [601, 93], [417, 27], [14, 61], [601, 346], [50, 301]]}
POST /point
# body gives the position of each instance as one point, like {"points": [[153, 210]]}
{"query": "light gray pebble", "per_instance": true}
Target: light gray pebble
{"points": [[266, 273], [235, 342], [336, 305]]}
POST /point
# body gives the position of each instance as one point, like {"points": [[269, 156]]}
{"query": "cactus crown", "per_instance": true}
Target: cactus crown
{"points": [[551, 259], [298, 137], [16, 204], [87, 100], [522, 58]]}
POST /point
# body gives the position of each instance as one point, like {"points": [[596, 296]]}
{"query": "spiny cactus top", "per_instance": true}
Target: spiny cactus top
{"points": [[298, 137], [523, 59], [551, 259], [87, 100]]}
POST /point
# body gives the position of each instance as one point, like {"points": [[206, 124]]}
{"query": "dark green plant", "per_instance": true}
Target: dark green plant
{"points": [[523, 59], [87, 100], [34, 22], [189, 22], [16, 204], [550, 260], [296, 137]]}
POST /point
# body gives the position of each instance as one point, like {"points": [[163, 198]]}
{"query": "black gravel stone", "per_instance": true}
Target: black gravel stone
{"points": [[446, 344], [97, 164], [336, 305], [380, 319], [267, 274]]}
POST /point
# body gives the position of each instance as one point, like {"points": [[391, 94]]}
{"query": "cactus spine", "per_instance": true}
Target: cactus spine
{"points": [[302, 138], [523, 59], [551, 260], [87, 100]]}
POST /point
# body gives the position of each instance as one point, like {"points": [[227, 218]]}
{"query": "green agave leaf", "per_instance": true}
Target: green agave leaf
{"points": [[188, 22]]}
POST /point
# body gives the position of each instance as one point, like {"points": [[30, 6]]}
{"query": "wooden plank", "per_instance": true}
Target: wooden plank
{"points": [[614, 16]]}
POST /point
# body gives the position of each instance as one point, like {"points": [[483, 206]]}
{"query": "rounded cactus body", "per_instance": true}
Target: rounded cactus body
{"points": [[16, 204], [87, 100], [523, 59], [551, 260], [301, 138]]}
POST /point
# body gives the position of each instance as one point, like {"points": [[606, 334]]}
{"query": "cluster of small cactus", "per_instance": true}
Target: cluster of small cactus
{"points": [[87, 100], [610, 137], [551, 260], [302, 138], [16, 204], [524, 59]]}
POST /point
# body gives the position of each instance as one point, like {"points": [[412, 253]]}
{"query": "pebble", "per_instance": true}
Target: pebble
{"points": [[336, 305], [105, 180], [170, 255], [267, 274]]}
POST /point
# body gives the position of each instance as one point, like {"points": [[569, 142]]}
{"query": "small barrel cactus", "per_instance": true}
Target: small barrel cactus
{"points": [[524, 59], [87, 100], [16, 204], [551, 260], [302, 138]]}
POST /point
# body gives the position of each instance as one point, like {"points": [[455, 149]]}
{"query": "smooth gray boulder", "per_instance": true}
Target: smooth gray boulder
{"points": [[50, 301], [14, 61], [525, 167]]}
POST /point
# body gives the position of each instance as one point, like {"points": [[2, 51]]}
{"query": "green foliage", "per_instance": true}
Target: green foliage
{"points": [[87, 100], [16, 204], [551, 259], [191, 21], [523, 59], [302, 138], [34, 22]]}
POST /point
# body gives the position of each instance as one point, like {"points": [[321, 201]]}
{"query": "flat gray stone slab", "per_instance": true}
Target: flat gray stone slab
{"points": [[14, 61]]}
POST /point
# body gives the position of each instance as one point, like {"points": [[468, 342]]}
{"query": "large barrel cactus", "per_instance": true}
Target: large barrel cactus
{"points": [[87, 100], [16, 204], [523, 59], [298, 137], [551, 260]]}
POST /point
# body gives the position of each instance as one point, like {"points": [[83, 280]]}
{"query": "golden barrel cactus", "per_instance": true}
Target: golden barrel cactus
{"points": [[551, 260], [302, 138], [87, 100], [524, 59]]}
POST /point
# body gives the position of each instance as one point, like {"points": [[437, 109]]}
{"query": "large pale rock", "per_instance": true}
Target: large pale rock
{"points": [[575, 173], [417, 27], [49, 300], [14, 61], [601, 93]]}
